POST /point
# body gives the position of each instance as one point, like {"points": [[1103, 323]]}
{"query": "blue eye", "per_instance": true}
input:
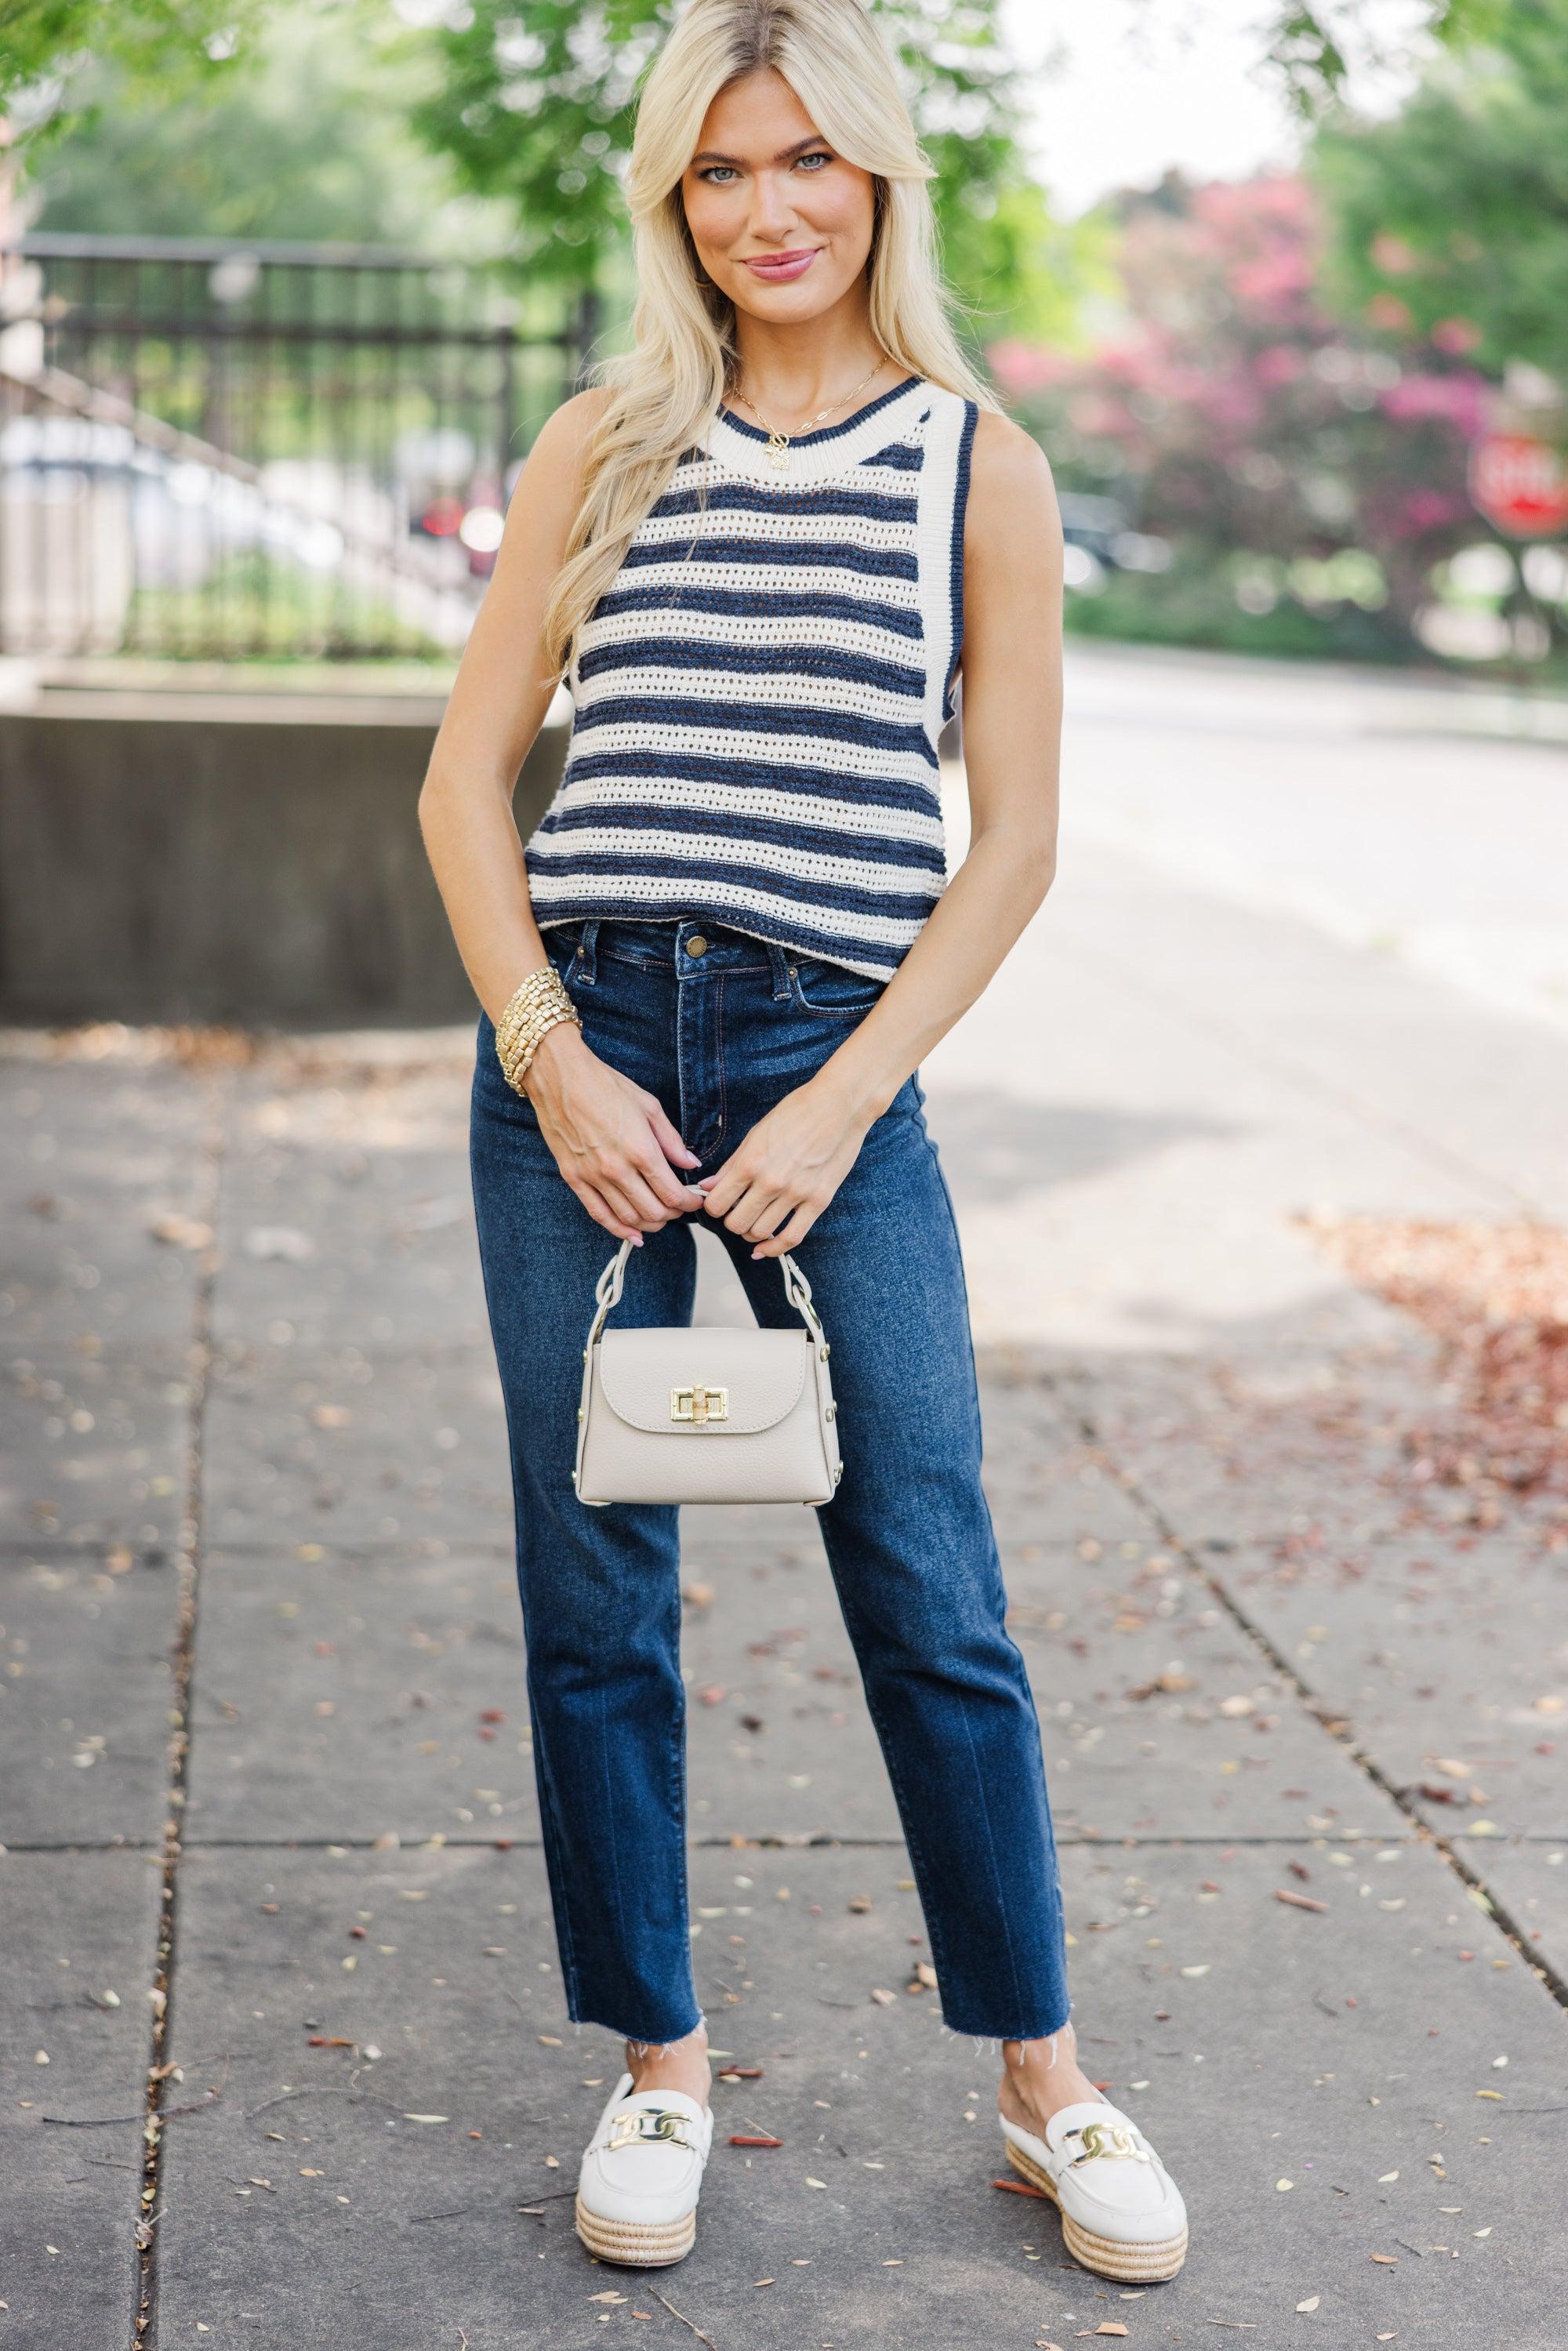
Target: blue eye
{"points": [[801, 160], [711, 171]]}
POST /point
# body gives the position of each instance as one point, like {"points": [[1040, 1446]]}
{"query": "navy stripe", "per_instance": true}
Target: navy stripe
{"points": [[755, 604], [755, 718], [899, 456], [756, 498], [956, 569], [754, 661], [778, 833], [827, 555], [755, 775], [795, 889]]}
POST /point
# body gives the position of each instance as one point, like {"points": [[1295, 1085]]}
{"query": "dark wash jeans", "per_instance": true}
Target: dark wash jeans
{"points": [[719, 1038]]}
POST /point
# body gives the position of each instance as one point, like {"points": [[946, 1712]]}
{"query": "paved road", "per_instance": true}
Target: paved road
{"points": [[252, 1428]]}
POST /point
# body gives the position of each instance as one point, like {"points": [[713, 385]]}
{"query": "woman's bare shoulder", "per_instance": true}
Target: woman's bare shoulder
{"points": [[1008, 463], [567, 431], [1012, 522]]}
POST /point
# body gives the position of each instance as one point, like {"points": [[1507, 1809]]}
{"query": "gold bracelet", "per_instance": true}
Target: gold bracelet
{"points": [[538, 1005], [539, 989], [535, 986]]}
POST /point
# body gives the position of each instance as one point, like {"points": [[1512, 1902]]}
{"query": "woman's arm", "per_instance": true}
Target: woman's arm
{"points": [[611, 1139], [794, 1160]]}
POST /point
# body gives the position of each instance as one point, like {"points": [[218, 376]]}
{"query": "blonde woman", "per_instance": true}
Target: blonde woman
{"points": [[762, 555]]}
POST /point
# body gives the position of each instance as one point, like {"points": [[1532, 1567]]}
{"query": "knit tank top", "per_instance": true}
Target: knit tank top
{"points": [[759, 694]]}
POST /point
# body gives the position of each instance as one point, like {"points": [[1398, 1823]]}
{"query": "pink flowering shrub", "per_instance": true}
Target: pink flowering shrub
{"points": [[1235, 414]]}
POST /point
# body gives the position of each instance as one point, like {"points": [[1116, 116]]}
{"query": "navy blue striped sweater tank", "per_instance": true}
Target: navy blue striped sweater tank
{"points": [[758, 696]]}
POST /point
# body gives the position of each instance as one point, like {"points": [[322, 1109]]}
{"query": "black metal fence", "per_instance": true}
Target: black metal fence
{"points": [[216, 451]]}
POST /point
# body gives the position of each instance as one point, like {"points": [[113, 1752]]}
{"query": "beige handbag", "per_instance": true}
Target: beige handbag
{"points": [[706, 1414]]}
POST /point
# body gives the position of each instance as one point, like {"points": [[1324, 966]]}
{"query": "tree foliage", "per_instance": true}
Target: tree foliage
{"points": [[308, 142], [46, 44], [1310, 44], [1233, 414], [1452, 218]]}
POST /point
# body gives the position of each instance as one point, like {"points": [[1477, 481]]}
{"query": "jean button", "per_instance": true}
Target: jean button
{"points": [[696, 945]]}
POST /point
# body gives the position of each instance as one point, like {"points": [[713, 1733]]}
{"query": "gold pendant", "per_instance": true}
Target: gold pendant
{"points": [[778, 450]]}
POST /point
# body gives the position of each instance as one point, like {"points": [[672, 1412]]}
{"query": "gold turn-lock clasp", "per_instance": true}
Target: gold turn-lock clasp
{"points": [[699, 1405], [634, 2123], [1111, 2140]]}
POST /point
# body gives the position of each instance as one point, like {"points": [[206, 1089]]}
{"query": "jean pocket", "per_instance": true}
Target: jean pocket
{"points": [[833, 990]]}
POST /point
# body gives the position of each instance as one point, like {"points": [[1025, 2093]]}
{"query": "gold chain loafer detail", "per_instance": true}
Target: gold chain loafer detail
{"points": [[1121, 2213], [641, 2175]]}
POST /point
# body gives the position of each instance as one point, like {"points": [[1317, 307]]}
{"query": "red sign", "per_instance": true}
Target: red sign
{"points": [[1519, 485]]}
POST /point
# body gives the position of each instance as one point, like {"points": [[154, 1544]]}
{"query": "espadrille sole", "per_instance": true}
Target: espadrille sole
{"points": [[636, 2245], [1107, 2256]]}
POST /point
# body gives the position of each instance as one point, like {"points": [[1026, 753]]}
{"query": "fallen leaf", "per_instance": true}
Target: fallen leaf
{"points": [[1298, 1901], [1280, 2185], [814, 2183], [1388, 2261], [885, 1998], [181, 1232], [1197, 1971], [1385, 2176], [1110, 2326], [740, 2138], [1310, 2303], [427, 2119], [609, 2294]]}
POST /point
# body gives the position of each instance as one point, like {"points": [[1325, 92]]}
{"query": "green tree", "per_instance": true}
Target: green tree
{"points": [[46, 44], [1452, 216], [1310, 44], [309, 141]]}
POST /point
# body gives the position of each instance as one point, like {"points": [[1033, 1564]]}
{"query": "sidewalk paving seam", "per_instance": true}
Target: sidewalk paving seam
{"points": [[1111, 1841], [1331, 1719], [188, 1564]]}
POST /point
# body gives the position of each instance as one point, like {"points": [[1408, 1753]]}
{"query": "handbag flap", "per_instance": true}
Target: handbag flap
{"points": [[669, 1380]]}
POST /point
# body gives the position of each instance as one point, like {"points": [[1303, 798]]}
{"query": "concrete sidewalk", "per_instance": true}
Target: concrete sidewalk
{"points": [[256, 1491]]}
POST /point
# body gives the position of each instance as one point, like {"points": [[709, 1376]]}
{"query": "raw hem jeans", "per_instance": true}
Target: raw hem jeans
{"points": [[720, 1026]]}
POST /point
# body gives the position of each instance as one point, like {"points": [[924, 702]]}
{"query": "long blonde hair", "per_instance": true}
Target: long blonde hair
{"points": [[682, 359]]}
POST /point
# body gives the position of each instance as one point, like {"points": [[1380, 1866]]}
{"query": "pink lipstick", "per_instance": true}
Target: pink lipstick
{"points": [[780, 269]]}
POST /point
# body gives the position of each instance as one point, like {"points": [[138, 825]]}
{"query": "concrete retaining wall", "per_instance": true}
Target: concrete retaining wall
{"points": [[250, 858]]}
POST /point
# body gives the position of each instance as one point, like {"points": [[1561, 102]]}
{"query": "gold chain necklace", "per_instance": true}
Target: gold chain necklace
{"points": [[779, 442]]}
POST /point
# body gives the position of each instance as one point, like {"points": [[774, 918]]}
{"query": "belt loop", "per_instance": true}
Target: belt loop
{"points": [[585, 964], [780, 964]]}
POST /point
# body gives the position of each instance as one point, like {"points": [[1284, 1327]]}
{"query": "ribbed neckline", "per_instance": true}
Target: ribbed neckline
{"points": [[825, 432], [823, 457]]}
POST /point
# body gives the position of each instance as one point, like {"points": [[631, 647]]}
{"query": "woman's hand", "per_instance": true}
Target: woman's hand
{"points": [[610, 1138], [783, 1173]]}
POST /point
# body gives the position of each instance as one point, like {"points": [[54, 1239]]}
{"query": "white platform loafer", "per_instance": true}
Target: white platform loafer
{"points": [[641, 2175], [1121, 2212]]}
